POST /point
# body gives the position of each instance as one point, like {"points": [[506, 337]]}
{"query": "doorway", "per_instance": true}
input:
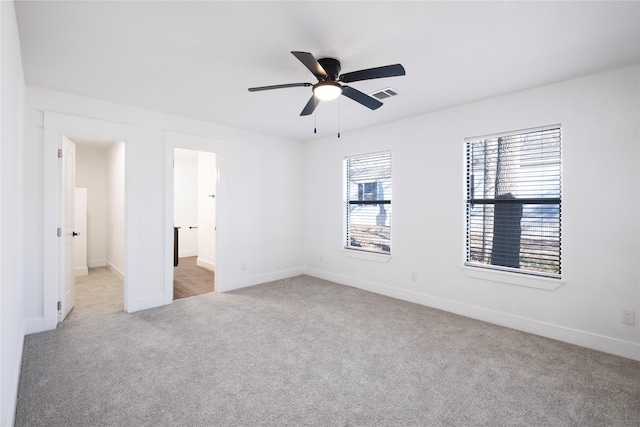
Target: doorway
{"points": [[194, 222], [55, 126], [98, 228]]}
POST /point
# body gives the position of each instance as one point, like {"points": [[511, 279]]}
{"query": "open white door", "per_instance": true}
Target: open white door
{"points": [[80, 240], [67, 277], [207, 191]]}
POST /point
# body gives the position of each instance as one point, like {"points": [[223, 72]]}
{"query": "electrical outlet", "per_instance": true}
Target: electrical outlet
{"points": [[414, 276], [321, 259], [628, 317], [243, 266]]}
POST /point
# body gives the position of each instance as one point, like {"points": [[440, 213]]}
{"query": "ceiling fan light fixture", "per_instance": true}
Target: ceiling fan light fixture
{"points": [[327, 90]]}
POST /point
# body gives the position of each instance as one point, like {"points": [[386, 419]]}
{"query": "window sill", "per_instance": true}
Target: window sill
{"points": [[545, 283], [368, 256]]}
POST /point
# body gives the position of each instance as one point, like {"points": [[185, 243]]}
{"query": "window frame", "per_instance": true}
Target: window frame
{"points": [[517, 275], [361, 199]]}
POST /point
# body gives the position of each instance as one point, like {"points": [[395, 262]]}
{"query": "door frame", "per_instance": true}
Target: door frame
{"points": [[55, 125], [174, 140]]}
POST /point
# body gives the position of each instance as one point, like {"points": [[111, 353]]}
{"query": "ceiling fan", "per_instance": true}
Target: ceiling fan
{"points": [[327, 71]]}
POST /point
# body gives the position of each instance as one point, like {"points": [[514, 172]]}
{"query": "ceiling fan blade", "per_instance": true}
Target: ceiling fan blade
{"points": [[311, 106], [257, 89], [373, 73], [361, 97], [311, 63]]}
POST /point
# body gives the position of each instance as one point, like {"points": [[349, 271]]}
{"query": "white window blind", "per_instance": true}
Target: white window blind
{"points": [[514, 202], [368, 203]]}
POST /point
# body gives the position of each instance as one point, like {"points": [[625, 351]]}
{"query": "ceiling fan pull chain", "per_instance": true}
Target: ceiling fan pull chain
{"points": [[315, 121]]}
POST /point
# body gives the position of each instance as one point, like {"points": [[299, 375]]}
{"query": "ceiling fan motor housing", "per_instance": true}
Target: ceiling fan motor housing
{"points": [[331, 66]]}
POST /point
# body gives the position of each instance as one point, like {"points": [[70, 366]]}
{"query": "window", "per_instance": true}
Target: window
{"points": [[368, 191], [514, 202], [368, 203]]}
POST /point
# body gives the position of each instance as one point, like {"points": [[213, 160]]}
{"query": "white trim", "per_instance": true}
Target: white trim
{"points": [[49, 226], [80, 271], [206, 264], [96, 263], [257, 280], [513, 132], [116, 272], [147, 303], [374, 153], [187, 254], [586, 339], [168, 221], [12, 399], [33, 325], [368, 256], [520, 279]]}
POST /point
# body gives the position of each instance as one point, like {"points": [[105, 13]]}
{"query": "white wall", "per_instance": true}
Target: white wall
{"points": [[12, 206], [599, 116], [91, 173], [255, 171], [207, 207], [115, 243], [185, 168], [260, 176]]}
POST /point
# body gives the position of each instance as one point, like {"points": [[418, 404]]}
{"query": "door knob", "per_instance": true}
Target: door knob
{"points": [[74, 234]]}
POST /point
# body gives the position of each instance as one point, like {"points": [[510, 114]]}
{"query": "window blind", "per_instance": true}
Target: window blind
{"points": [[368, 203], [514, 205]]}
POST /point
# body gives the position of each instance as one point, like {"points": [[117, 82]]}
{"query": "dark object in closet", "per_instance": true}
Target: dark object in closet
{"points": [[175, 246]]}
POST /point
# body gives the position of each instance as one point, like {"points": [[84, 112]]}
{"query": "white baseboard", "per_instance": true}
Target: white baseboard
{"points": [[206, 264], [80, 271], [12, 400], [185, 254], [256, 280], [119, 274], [146, 303], [33, 325], [93, 263], [602, 343]]}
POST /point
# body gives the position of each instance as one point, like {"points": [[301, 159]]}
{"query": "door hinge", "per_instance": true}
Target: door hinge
{"points": [[59, 153], [59, 232], [59, 305]]}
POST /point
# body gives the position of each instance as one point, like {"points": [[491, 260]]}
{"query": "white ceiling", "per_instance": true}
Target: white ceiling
{"points": [[197, 59]]}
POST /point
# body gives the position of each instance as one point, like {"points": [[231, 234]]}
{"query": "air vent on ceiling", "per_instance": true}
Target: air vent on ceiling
{"points": [[384, 93]]}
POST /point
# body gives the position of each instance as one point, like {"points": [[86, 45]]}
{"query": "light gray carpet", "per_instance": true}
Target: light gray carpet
{"points": [[307, 352]]}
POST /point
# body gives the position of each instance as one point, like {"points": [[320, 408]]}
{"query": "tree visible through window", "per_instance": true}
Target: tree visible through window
{"points": [[368, 203], [514, 202]]}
